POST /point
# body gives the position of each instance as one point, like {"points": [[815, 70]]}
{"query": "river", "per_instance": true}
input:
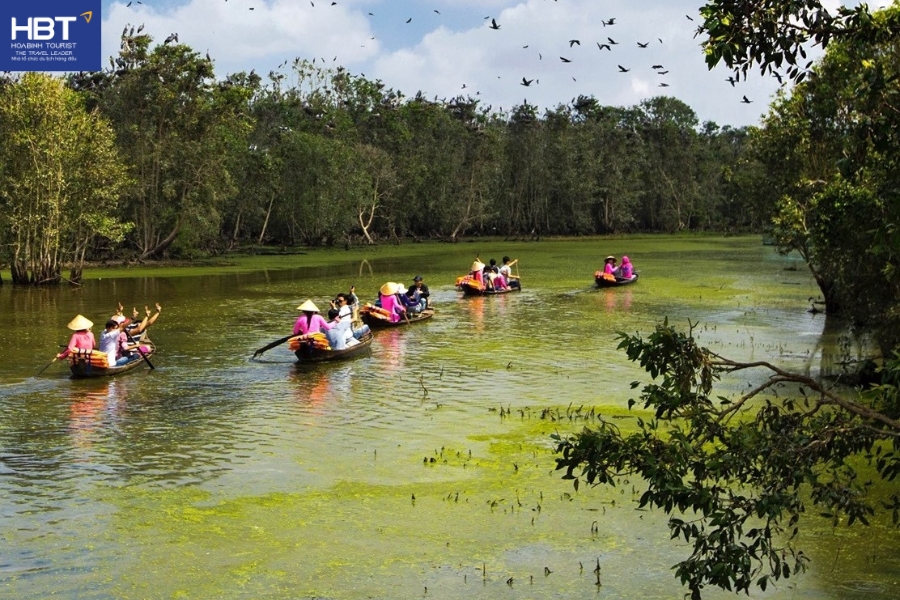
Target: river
{"points": [[424, 470]]}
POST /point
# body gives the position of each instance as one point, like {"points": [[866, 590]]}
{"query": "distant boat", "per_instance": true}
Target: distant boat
{"points": [[377, 318], [470, 286], [602, 282]]}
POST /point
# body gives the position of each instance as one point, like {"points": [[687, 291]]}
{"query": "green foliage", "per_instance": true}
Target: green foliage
{"points": [[830, 147], [774, 34], [737, 473], [61, 179]]}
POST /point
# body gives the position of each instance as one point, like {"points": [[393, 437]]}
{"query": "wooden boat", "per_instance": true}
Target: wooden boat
{"points": [[308, 352], [376, 319], [603, 283], [92, 363], [471, 287]]}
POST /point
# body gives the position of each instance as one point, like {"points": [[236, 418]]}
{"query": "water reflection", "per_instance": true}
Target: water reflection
{"points": [[614, 300], [96, 408]]}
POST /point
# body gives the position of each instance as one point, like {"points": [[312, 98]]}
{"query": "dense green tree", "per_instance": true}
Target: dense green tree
{"points": [[831, 146], [60, 180], [175, 126]]}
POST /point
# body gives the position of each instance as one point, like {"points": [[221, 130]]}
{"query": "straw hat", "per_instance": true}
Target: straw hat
{"points": [[401, 289], [389, 289], [308, 306], [477, 265], [79, 323], [610, 257]]}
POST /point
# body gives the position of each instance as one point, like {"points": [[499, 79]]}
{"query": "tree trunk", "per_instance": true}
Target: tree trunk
{"points": [[266, 222], [159, 248]]}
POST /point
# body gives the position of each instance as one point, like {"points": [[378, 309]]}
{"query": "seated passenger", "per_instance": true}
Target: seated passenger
{"points": [[421, 291], [627, 269], [506, 271]]}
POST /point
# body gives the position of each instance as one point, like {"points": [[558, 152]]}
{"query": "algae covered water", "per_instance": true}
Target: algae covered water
{"points": [[424, 470]]}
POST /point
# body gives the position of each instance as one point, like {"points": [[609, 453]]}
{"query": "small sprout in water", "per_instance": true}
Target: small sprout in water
{"points": [[547, 571]]}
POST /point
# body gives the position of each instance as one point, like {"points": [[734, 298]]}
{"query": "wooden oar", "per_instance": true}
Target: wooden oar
{"points": [[141, 352], [272, 345], [45, 366]]}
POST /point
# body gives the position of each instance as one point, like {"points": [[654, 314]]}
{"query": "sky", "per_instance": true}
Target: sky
{"points": [[448, 48]]}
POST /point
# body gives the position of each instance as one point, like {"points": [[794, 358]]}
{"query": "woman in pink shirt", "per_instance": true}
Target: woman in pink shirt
{"points": [[82, 339], [310, 321], [389, 301]]}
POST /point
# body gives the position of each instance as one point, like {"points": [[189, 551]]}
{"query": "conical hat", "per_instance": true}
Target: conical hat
{"points": [[308, 306], [389, 289], [79, 323], [477, 266]]}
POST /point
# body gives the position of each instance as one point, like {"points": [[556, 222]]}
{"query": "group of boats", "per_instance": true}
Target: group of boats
{"points": [[315, 348]]}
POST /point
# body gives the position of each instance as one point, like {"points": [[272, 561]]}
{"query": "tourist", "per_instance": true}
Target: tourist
{"points": [[627, 269], [421, 291], [110, 343], [506, 271]]}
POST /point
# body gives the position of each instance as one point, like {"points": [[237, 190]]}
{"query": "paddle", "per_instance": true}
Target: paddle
{"points": [[45, 366], [141, 352], [272, 345]]}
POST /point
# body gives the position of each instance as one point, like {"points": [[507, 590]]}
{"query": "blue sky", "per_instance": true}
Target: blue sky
{"points": [[448, 48]]}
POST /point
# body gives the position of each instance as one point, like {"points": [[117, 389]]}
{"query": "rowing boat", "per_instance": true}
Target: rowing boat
{"points": [[92, 363], [470, 286], [308, 351], [603, 283], [377, 320]]}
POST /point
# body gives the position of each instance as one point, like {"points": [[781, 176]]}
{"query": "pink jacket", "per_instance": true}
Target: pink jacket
{"points": [[391, 304], [83, 340], [312, 325]]}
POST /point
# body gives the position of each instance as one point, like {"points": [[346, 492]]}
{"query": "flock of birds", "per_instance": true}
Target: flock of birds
{"points": [[606, 45]]}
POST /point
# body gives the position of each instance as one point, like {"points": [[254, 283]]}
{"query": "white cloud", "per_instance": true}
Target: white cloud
{"points": [[440, 53]]}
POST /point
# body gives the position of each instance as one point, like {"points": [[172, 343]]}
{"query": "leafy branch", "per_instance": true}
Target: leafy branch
{"points": [[747, 467]]}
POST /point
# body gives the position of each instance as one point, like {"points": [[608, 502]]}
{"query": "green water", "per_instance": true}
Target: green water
{"points": [[424, 470]]}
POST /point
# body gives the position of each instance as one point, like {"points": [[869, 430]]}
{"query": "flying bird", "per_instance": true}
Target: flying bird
{"points": [[494, 24], [664, 85], [623, 69], [172, 38], [612, 41], [644, 45], [746, 100], [731, 80], [526, 82], [689, 17], [409, 19], [573, 42], [564, 59], [610, 22], [602, 46], [663, 72], [656, 67]]}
